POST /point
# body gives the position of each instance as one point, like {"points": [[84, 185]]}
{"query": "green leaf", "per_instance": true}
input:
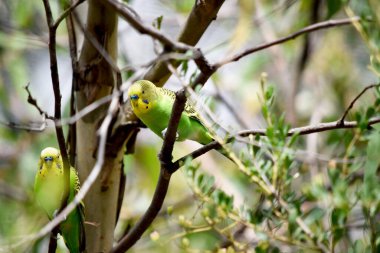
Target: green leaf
{"points": [[255, 216], [184, 67], [316, 214], [371, 186], [377, 102], [293, 226], [223, 200], [359, 247], [157, 22], [333, 175], [338, 220], [370, 112], [264, 110], [338, 217], [269, 92], [333, 6], [270, 132], [262, 247]]}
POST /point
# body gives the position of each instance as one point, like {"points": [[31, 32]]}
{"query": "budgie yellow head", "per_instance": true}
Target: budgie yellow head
{"points": [[143, 95], [50, 156]]}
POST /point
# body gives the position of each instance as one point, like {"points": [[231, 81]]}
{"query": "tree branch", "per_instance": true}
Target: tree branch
{"points": [[30, 127], [95, 43], [31, 100], [205, 75], [66, 12], [53, 240], [202, 14], [72, 134], [102, 133], [165, 157], [57, 110], [307, 29], [146, 220], [136, 23], [341, 121], [322, 127]]}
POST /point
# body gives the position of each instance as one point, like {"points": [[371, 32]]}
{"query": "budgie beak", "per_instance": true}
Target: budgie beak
{"points": [[48, 159], [134, 97]]}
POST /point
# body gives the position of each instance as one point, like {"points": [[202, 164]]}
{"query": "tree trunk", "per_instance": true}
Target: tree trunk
{"points": [[97, 79]]}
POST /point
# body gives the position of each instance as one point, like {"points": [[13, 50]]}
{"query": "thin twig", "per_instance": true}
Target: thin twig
{"points": [[31, 100], [66, 12], [30, 127], [165, 155], [102, 133], [57, 91], [201, 16], [230, 107], [322, 127], [341, 121], [308, 29], [146, 220], [53, 240], [202, 77], [73, 118], [164, 57], [95, 43], [136, 23], [166, 171], [57, 109], [72, 135]]}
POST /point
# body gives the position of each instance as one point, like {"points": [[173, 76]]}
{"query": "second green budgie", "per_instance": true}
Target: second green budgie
{"points": [[49, 189], [153, 106]]}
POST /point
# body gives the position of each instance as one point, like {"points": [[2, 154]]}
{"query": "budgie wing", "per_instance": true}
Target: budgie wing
{"points": [[189, 109], [80, 208]]}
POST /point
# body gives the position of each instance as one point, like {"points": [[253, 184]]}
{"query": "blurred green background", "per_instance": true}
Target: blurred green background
{"points": [[329, 179]]}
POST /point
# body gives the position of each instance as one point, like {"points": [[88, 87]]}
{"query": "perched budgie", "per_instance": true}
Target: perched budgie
{"points": [[153, 106], [49, 188]]}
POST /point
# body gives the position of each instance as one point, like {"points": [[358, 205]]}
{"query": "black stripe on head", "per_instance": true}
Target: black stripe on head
{"points": [[145, 84]]}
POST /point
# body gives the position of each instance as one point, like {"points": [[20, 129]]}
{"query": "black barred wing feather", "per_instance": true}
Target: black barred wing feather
{"points": [[168, 93], [75, 179], [80, 207], [189, 109]]}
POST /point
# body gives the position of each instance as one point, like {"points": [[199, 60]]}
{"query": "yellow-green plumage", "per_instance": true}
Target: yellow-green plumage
{"points": [[49, 188], [153, 106]]}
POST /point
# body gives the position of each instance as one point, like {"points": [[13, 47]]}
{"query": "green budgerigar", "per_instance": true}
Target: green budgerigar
{"points": [[153, 106], [49, 189]]}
